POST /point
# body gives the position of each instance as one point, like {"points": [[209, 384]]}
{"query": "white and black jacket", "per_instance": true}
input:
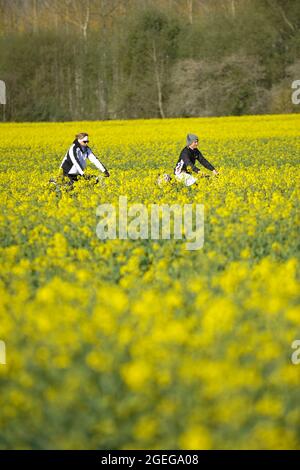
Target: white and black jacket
{"points": [[74, 162]]}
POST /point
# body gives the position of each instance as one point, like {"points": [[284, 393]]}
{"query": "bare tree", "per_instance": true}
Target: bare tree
{"points": [[190, 10], [232, 4], [73, 12], [158, 80], [277, 8]]}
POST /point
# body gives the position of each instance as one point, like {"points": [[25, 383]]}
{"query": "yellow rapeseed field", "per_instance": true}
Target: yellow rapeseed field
{"points": [[140, 344]]}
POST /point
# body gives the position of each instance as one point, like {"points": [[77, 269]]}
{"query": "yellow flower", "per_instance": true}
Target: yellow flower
{"points": [[142, 343], [136, 374], [195, 438]]}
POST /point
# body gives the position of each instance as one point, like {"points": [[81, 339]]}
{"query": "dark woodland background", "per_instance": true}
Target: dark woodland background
{"points": [[117, 59]]}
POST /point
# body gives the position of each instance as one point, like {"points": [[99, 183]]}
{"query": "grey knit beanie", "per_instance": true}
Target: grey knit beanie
{"points": [[190, 138]]}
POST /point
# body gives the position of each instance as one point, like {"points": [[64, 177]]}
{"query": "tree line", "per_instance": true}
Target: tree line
{"points": [[119, 59]]}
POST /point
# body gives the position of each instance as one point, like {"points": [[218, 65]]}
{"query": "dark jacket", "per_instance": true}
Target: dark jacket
{"points": [[188, 158]]}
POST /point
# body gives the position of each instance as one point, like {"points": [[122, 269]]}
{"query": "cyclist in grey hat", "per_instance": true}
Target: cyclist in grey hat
{"points": [[187, 159]]}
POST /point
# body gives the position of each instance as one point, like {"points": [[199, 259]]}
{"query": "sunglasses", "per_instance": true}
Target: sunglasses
{"points": [[85, 141]]}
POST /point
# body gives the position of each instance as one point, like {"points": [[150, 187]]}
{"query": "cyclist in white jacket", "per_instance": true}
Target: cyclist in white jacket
{"points": [[74, 162]]}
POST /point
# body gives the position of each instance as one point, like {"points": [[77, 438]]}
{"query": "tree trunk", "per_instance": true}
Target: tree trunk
{"points": [[85, 24], [70, 89], [34, 16], [233, 8], [158, 81], [190, 10]]}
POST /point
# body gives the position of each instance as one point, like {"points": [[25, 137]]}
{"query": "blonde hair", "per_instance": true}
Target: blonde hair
{"points": [[81, 135]]}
